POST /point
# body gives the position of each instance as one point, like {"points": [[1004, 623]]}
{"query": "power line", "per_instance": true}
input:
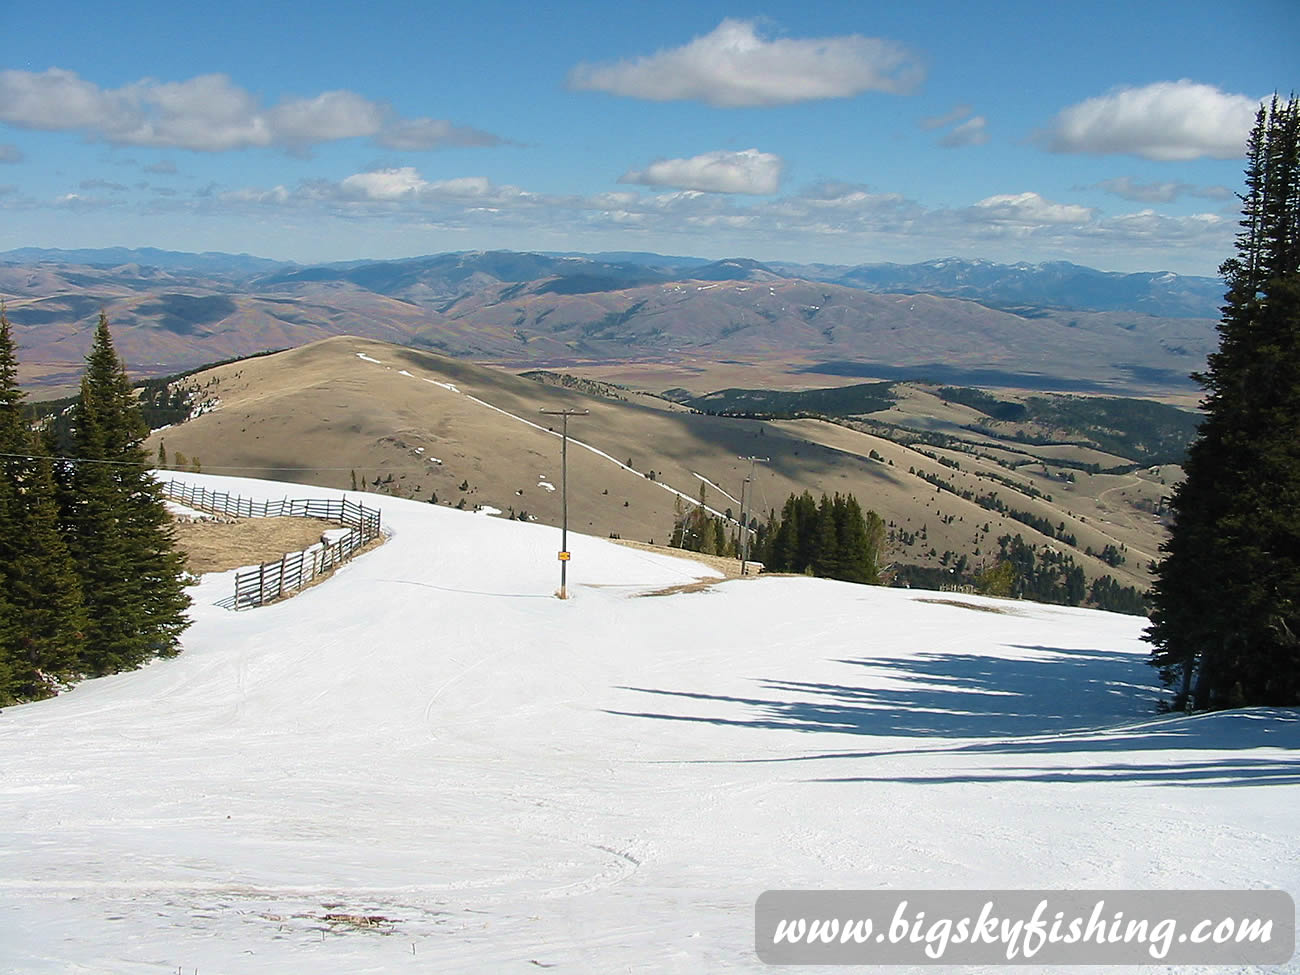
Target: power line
{"points": [[207, 468]]}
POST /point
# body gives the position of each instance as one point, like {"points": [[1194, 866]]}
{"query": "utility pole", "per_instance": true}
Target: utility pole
{"points": [[744, 522], [564, 494]]}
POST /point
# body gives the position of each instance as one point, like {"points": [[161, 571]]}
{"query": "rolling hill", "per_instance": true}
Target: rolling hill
{"points": [[420, 425]]}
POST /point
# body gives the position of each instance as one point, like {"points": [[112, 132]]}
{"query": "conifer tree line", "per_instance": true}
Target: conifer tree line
{"points": [[90, 582], [832, 538], [1226, 603]]}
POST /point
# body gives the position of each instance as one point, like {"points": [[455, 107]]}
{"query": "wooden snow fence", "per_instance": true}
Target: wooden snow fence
{"points": [[273, 580]]}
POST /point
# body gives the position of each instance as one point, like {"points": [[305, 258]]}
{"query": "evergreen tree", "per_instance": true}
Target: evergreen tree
{"points": [[41, 632], [860, 539], [825, 544], [119, 531], [9, 625], [1226, 603], [831, 538]]}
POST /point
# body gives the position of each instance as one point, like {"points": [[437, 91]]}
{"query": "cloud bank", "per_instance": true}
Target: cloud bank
{"points": [[209, 113], [736, 67], [850, 214]]}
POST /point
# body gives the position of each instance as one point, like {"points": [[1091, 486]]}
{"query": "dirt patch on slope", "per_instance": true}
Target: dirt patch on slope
{"points": [[214, 546], [728, 567]]}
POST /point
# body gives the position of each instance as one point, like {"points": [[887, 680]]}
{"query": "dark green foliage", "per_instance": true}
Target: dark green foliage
{"points": [[9, 630], [1143, 430], [1045, 575], [1226, 605], [42, 618], [44, 588], [986, 403], [836, 401], [998, 580], [1112, 556], [118, 529], [1108, 594], [832, 539]]}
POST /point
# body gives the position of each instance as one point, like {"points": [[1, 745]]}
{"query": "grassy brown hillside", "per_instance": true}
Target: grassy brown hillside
{"points": [[422, 424]]}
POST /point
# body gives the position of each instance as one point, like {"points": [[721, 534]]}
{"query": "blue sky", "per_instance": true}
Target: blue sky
{"points": [[1107, 134]]}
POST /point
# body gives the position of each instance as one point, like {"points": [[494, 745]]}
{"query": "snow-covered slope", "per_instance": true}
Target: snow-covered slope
{"points": [[602, 784]]}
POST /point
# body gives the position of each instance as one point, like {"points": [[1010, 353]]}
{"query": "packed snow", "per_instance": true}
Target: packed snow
{"points": [[429, 763], [183, 512]]}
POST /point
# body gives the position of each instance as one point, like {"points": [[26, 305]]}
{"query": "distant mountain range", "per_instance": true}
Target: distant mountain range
{"points": [[1057, 285], [210, 262], [1055, 326]]}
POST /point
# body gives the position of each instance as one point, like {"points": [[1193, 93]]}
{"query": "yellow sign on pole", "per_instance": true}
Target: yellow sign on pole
{"points": [[564, 556]]}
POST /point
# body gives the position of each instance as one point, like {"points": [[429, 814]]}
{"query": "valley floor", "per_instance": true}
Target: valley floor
{"points": [[502, 781]]}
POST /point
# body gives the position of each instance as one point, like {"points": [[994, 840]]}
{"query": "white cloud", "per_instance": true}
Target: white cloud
{"points": [[428, 133], [475, 188], [328, 117], [1161, 229], [852, 201], [10, 153], [1166, 121], [75, 201], [734, 67], [53, 99], [278, 194], [972, 132], [385, 184], [164, 167], [1165, 192], [957, 113], [210, 113], [405, 185], [1028, 209], [748, 171], [101, 184]]}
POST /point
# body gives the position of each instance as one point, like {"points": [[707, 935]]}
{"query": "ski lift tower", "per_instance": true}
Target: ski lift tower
{"points": [[564, 493]]}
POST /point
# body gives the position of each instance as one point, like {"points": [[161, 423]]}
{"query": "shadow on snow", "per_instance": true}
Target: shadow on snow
{"points": [[1052, 703]]}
